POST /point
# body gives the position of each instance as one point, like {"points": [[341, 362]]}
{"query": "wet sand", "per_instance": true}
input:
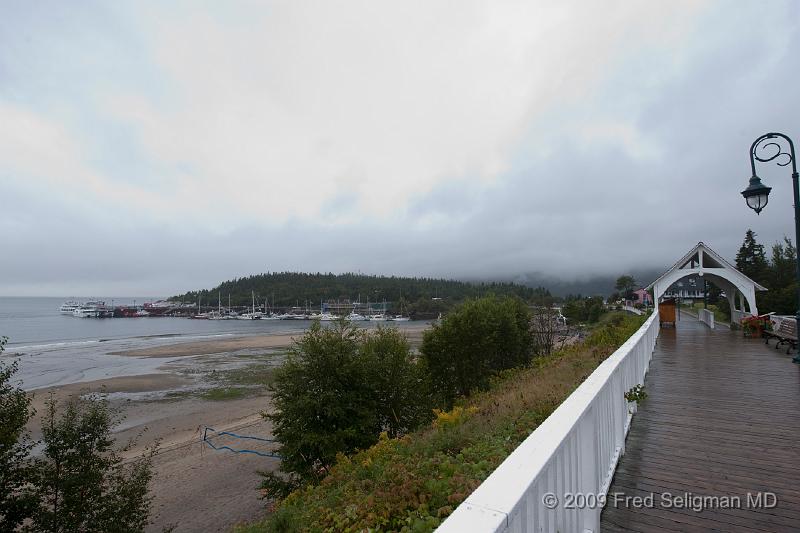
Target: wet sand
{"points": [[212, 346], [254, 342]]}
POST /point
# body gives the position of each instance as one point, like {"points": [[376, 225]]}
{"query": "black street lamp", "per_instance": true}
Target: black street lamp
{"points": [[757, 194]]}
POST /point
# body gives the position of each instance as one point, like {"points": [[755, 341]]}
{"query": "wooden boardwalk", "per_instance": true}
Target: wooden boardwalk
{"points": [[722, 419]]}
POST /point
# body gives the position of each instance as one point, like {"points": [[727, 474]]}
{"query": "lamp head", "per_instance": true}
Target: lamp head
{"points": [[756, 194]]}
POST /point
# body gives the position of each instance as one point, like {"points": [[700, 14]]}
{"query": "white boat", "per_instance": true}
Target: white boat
{"points": [[400, 318], [217, 315], [68, 307], [327, 317], [380, 317], [90, 310], [356, 317], [252, 315], [141, 313]]}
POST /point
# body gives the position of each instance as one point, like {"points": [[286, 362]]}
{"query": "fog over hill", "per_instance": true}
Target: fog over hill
{"points": [[587, 286]]}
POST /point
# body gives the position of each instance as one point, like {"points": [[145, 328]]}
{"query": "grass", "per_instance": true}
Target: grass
{"points": [[719, 316], [253, 375], [224, 393], [240, 382], [412, 483]]}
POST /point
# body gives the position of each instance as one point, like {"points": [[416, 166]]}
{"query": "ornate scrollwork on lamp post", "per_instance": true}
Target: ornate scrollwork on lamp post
{"points": [[765, 149]]}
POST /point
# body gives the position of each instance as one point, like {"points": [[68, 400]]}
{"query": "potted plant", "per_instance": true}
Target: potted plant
{"points": [[754, 326]]}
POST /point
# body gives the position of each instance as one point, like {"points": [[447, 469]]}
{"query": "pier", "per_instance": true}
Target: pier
{"points": [[722, 418]]}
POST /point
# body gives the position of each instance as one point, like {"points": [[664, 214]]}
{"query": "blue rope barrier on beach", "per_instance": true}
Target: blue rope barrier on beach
{"points": [[234, 435]]}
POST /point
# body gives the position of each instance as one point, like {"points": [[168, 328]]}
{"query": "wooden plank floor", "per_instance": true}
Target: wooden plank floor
{"points": [[722, 419]]}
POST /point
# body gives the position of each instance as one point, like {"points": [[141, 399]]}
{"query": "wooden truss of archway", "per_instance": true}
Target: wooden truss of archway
{"points": [[704, 262]]}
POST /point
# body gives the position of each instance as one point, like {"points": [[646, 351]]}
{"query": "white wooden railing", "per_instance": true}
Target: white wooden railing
{"points": [[706, 317], [571, 455], [737, 316], [632, 309]]}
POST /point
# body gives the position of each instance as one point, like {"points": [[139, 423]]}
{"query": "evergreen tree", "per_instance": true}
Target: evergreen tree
{"points": [[781, 280], [625, 285], [751, 259]]}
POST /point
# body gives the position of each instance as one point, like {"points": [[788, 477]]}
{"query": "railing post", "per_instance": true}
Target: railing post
{"points": [[589, 521]]}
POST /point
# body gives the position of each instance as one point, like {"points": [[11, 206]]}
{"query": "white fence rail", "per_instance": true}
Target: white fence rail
{"points": [[737, 316], [574, 452], [632, 309], [706, 317]]}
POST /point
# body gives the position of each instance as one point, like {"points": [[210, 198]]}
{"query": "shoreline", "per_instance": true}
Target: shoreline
{"points": [[195, 348], [234, 343]]}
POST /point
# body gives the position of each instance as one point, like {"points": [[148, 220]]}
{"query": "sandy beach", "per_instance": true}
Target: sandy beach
{"points": [[217, 383], [212, 346], [255, 342]]}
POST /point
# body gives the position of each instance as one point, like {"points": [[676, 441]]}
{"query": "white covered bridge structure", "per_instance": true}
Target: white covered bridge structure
{"points": [[719, 428], [704, 262]]}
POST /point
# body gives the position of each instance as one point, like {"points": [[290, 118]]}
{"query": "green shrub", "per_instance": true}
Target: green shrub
{"points": [[339, 388], [474, 342]]}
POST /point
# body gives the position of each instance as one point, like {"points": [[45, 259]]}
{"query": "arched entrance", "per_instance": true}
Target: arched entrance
{"points": [[704, 262]]}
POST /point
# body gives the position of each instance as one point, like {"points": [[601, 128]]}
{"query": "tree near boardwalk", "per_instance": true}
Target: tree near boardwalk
{"points": [[322, 406], [475, 341], [338, 389], [546, 329], [398, 385], [751, 260], [625, 285]]}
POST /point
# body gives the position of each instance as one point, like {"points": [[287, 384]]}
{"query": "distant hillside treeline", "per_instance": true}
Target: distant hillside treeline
{"points": [[422, 295]]}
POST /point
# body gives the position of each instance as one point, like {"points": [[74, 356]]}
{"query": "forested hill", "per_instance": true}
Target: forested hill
{"points": [[285, 289]]}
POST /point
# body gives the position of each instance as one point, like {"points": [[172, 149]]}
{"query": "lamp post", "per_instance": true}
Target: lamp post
{"points": [[757, 194]]}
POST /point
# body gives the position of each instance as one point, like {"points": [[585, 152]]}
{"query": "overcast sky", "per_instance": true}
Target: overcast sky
{"points": [[148, 148]]}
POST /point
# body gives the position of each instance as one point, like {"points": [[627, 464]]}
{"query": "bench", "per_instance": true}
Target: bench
{"points": [[786, 333]]}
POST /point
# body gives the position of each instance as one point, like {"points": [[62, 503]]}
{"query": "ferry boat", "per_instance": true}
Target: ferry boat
{"points": [[96, 309], [68, 307]]}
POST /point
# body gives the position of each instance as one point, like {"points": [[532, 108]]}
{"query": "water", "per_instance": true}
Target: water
{"points": [[56, 349]]}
